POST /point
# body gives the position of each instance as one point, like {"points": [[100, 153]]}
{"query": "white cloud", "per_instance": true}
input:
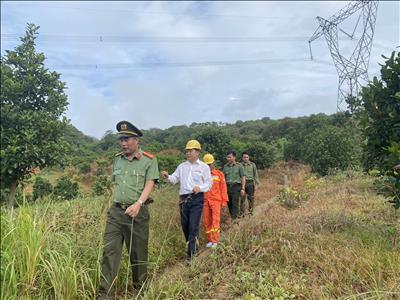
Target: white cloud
{"points": [[164, 97]]}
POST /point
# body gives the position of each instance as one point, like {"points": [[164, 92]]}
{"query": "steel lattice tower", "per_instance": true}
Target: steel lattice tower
{"points": [[350, 70]]}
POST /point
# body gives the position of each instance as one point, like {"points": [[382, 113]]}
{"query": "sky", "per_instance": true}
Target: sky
{"points": [[161, 64]]}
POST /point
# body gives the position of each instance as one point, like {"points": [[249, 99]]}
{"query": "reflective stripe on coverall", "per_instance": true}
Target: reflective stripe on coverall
{"points": [[214, 199]]}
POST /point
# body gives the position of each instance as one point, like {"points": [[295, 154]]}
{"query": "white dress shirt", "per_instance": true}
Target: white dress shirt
{"points": [[191, 175]]}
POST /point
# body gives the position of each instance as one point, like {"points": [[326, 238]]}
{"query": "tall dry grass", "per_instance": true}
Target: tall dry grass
{"points": [[337, 245]]}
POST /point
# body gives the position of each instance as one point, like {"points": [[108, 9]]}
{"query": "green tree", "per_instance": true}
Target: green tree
{"points": [[169, 162], [32, 106], [109, 142], [328, 148], [214, 141], [262, 154], [378, 112]]}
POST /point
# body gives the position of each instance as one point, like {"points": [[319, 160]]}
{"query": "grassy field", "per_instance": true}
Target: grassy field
{"points": [[337, 242]]}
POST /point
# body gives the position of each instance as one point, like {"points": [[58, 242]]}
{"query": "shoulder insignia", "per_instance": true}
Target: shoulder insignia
{"points": [[148, 154], [119, 153]]}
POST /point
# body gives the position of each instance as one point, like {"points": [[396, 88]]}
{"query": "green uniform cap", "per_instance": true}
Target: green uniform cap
{"points": [[127, 129]]}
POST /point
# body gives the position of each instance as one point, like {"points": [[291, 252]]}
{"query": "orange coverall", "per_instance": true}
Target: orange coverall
{"points": [[214, 199]]}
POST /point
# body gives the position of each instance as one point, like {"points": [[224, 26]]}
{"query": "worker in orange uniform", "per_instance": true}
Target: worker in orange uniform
{"points": [[214, 199]]}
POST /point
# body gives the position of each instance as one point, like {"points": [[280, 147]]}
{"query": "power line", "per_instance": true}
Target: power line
{"points": [[177, 64], [198, 16], [159, 39]]}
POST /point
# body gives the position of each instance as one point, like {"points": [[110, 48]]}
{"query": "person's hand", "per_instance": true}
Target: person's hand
{"points": [[164, 174], [242, 193], [224, 204], [196, 189], [133, 210]]}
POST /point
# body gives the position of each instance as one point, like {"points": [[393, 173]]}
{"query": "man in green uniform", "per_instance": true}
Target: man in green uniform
{"points": [[250, 171], [134, 174], [235, 181]]}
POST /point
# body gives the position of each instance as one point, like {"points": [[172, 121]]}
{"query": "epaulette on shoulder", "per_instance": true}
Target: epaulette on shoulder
{"points": [[148, 154], [119, 153]]}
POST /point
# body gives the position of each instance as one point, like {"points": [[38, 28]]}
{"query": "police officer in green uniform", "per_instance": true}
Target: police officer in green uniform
{"points": [[134, 174], [235, 181], [251, 174]]}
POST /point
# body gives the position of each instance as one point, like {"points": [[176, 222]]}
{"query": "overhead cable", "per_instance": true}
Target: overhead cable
{"points": [[177, 64], [159, 39]]}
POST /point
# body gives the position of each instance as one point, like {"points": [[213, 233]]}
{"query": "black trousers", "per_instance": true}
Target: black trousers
{"points": [[191, 208]]}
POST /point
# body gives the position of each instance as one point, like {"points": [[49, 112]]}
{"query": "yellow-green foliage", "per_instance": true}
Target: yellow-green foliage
{"points": [[290, 198]]}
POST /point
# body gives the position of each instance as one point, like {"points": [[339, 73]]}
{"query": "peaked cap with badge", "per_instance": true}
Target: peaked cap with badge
{"points": [[127, 129]]}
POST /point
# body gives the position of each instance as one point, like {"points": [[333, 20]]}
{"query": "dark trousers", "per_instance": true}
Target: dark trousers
{"points": [[250, 189], [191, 207], [134, 232], [235, 203]]}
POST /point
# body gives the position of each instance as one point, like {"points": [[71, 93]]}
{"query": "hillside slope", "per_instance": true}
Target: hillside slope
{"points": [[337, 243]]}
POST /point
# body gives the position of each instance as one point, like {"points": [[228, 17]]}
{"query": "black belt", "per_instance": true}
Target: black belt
{"points": [[121, 205], [125, 206], [188, 197]]}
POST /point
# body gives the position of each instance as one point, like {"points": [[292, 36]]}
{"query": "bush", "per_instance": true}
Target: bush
{"points": [[168, 163], [262, 154], [102, 165], [84, 167], [41, 188], [330, 148], [389, 187], [378, 113], [102, 185], [215, 141], [290, 198], [66, 189]]}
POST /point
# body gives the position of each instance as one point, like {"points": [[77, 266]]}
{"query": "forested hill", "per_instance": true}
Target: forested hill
{"points": [[79, 142], [267, 140]]}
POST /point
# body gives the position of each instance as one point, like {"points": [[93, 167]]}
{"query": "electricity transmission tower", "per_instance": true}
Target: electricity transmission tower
{"points": [[354, 68]]}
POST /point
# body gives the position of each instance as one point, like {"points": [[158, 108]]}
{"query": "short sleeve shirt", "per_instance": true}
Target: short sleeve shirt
{"points": [[250, 171], [233, 173], [130, 176]]}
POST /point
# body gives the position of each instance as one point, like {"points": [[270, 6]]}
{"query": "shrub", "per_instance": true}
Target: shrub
{"points": [[215, 141], [102, 185], [262, 154], [84, 167], [41, 188], [330, 148], [389, 187], [102, 165], [290, 198], [168, 163], [66, 189], [378, 113], [312, 182]]}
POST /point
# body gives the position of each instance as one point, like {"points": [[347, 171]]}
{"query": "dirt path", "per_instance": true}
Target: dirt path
{"points": [[271, 181]]}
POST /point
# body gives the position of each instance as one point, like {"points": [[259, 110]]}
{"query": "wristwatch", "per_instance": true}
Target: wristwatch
{"points": [[141, 203]]}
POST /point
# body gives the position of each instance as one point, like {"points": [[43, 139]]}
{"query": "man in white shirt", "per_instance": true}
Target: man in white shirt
{"points": [[194, 177]]}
